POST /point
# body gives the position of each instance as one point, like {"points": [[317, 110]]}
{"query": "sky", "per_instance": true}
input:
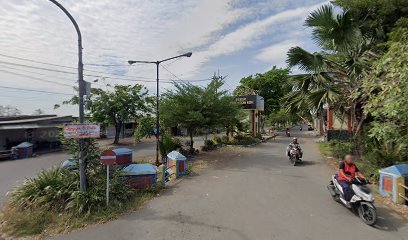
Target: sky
{"points": [[237, 38]]}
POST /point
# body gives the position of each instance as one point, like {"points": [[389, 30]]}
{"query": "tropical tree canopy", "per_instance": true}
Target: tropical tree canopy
{"points": [[194, 107], [270, 85]]}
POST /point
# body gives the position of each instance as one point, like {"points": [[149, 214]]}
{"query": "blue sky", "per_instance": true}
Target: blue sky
{"points": [[236, 37]]}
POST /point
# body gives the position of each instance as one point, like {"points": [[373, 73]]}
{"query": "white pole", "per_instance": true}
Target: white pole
{"points": [[107, 185], [164, 171]]}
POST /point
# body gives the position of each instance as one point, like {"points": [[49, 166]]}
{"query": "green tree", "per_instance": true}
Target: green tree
{"points": [[145, 127], [116, 106], [332, 76], [387, 88], [194, 107], [270, 85]]}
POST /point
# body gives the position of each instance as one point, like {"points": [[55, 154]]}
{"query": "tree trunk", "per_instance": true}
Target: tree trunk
{"points": [[118, 128], [191, 141]]}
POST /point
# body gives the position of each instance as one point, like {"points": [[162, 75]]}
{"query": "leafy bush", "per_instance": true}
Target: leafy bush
{"points": [[208, 145], [340, 149], [209, 142], [383, 155], [217, 139], [241, 139], [225, 139], [57, 190], [168, 144]]}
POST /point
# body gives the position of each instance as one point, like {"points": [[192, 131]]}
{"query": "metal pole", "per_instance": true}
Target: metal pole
{"points": [[157, 114], [81, 91], [107, 185]]}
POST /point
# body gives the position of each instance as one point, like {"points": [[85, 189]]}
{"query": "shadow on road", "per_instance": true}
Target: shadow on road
{"points": [[387, 221]]}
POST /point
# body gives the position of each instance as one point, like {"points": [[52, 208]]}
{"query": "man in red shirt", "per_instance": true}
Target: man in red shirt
{"points": [[347, 171]]}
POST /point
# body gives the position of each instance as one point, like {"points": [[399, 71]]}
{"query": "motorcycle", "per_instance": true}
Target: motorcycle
{"points": [[294, 155], [300, 128], [361, 202], [287, 133]]}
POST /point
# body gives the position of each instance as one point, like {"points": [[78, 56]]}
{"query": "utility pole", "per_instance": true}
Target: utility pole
{"points": [[158, 95], [81, 91]]}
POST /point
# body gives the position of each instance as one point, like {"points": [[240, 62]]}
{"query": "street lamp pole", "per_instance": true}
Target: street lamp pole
{"points": [[158, 95], [81, 91]]}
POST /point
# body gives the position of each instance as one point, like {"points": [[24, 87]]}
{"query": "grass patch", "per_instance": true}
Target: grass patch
{"points": [[325, 149], [17, 222]]}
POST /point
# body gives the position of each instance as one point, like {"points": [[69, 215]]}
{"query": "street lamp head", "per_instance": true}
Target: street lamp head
{"points": [[131, 62], [188, 54]]}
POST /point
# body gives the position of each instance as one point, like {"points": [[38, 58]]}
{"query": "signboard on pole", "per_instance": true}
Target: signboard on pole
{"points": [[78, 131], [108, 157]]}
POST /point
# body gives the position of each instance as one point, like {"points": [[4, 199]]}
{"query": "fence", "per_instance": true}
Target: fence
{"points": [[404, 196]]}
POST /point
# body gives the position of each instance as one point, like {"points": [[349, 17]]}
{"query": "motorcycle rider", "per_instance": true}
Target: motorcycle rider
{"points": [[347, 171], [287, 132], [293, 144]]}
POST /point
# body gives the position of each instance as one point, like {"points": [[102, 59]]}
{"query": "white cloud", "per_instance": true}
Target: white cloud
{"points": [[276, 53], [116, 31]]}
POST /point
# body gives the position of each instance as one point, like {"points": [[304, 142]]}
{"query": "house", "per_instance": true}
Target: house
{"points": [[333, 127], [43, 131]]}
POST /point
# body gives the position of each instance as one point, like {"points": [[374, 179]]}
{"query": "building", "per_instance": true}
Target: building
{"points": [[333, 127], [254, 104], [43, 131]]}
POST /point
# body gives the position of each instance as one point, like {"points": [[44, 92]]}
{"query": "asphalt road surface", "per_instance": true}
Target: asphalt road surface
{"points": [[256, 194]]}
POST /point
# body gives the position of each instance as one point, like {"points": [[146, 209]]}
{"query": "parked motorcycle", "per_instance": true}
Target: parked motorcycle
{"points": [[294, 156], [361, 202]]}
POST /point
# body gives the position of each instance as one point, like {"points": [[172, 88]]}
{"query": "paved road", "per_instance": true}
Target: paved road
{"points": [[255, 194], [13, 173]]}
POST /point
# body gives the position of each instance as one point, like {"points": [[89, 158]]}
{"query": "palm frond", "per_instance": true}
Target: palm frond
{"points": [[305, 61]]}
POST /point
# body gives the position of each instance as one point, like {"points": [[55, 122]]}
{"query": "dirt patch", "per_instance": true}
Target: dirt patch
{"points": [[215, 158]]}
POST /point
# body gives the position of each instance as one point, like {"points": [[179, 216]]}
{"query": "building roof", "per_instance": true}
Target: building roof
{"points": [[30, 122]]}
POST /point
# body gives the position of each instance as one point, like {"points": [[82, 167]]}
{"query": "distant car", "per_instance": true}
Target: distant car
{"points": [[310, 128]]}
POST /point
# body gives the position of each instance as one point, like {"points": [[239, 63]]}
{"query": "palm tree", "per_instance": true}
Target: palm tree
{"points": [[332, 76]]}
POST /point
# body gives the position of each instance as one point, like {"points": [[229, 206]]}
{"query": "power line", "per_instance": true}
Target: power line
{"points": [[30, 60], [33, 90], [106, 65], [170, 72], [35, 78], [57, 65], [129, 78], [72, 73], [32, 72]]}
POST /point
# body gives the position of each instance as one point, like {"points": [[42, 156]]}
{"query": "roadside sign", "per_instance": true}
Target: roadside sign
{"points": [[108, 157], [79, 131]]}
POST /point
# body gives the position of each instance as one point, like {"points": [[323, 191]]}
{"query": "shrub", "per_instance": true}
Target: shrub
{"points": [[57, 190], [241, 139], [209, 142], [225, 139], [217, 139], [340, 149], [259, 136], [208, 145]]}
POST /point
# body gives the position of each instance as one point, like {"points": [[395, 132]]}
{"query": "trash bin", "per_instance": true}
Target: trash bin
{"points": [[177, 162], [70, 164], [392, 182], [123, 156], [140, 176], [23, 150]]}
